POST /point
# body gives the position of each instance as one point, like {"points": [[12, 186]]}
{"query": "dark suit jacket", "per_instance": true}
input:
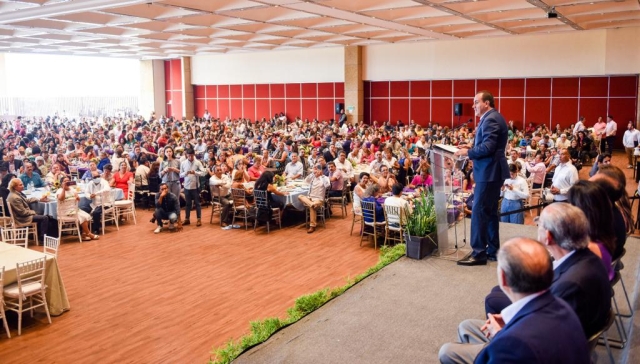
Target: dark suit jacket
{"points": [[545, 330], [488, 152], [583, 282]]}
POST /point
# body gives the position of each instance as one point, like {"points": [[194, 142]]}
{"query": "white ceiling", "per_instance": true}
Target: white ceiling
{"points": [[169, 28]]}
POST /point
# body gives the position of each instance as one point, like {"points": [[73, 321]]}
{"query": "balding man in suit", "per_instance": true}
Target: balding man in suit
{"points": [[536, 328], [579, 277]]}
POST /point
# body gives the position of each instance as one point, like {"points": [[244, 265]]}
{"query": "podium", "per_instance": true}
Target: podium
{"points": [[448, 175]]}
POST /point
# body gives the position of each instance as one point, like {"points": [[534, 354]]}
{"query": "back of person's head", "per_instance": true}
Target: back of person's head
{"points": [[372, 190], [526, 265], [265, 179], [616, 181], [6, 179], [567, 224], [513, 167], [592, 199], [396, 189], [239, 176]]}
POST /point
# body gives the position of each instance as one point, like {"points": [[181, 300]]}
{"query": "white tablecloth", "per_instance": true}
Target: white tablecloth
{"points": [[292, 198], [50, 207], [10, 255]]}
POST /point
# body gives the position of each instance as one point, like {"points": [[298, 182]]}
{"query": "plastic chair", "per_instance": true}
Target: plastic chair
{"points": [[51, 245], [108, 209], [29, 290], [262, 203], [127, 206], [68, 218], [369, 213], [594, 340], [16, 236], [2, 314]]}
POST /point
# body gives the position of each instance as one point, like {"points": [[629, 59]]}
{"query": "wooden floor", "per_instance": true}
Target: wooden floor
{"points": [[137, 297]]}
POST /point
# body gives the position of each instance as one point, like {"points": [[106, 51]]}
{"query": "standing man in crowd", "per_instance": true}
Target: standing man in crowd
{"points": [[564, 176], [490, 169], [191, 170], [610, 133], [630, 142]]}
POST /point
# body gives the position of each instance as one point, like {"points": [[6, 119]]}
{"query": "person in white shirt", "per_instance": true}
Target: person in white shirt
{"points": [[579, 126], [318, 184], [191, 170], [563, 142], [610, 133], [513, 192], [345, 166], [377, 163], [142, 172], [406, 209], [221, 185], [515, 158], [94, 190], [565, 176], [295, 168], [630, 141]]}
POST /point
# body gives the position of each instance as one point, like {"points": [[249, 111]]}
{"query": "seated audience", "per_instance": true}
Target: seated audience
{"points": [[94, 190], [373, 194], [537, 327], [29, 176], [318, 184], [68, 199], [580, 278], [21, 211]]}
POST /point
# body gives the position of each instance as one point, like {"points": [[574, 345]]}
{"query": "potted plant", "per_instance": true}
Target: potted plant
{"points": [[421, 231]]}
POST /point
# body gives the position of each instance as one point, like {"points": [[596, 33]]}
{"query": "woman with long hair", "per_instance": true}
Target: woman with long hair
{"points": [[593, 201], [170, 171], [265, 183]]}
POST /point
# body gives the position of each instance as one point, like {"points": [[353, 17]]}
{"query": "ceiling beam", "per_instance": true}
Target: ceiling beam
{"points": [[465, 16], [544, 6], [63, 8]]}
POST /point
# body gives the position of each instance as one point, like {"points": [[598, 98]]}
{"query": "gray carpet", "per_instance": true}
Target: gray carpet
{"points": [[405, 312]]}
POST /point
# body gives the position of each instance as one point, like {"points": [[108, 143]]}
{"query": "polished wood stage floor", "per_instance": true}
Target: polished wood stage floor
{"points": [[137, 297]]}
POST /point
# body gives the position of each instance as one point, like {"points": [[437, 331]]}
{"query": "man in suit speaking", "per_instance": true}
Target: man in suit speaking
{"points": [[490, 169]]}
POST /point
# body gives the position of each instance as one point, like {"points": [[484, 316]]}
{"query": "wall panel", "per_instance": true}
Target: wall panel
{"points": [[249, 108]]}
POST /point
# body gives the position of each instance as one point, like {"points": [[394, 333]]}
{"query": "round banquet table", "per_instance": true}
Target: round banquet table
{"points": [[50, 207], [294, 190]]}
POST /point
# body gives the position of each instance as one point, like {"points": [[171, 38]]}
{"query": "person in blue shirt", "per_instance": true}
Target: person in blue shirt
{"points": [[30, 177], [373, 193]]}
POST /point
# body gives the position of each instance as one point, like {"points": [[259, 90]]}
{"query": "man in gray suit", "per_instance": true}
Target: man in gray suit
{"points": [[22, 213]]}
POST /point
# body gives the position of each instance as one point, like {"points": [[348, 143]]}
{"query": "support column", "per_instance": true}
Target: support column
{"points": [[353, 85], [152, 94], [187, 89], [638, 107]]}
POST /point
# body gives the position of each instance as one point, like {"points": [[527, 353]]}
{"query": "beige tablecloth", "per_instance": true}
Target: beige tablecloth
{"points": [[56, 294]]}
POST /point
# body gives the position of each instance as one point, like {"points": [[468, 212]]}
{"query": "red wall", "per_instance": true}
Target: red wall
{"points": [[538, 100], [173, 87], [255, 101]]}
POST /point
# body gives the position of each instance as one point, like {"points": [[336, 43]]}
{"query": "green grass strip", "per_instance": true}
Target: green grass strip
{"points": [[263, 329]]}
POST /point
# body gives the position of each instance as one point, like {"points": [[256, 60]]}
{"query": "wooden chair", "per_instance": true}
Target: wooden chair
{"points": [[240, 209], [216, 203], [262, 203], [369, 213], [29, 292], [33, 231], [2, 304], [341, 200], [51, 245], [68, 220], [108, 209], [16, 236], [394, 228]]}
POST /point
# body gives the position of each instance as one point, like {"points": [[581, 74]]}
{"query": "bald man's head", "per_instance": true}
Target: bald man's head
{"points": [[526, 265]]}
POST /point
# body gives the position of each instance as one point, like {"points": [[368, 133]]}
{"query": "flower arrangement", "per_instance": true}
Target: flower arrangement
{"points": [[279, 180]]}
